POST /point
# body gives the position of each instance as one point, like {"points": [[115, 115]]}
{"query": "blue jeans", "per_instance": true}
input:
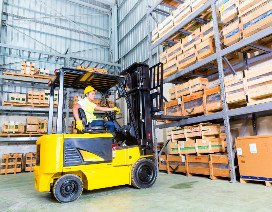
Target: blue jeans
{"points": [[108, 124]]}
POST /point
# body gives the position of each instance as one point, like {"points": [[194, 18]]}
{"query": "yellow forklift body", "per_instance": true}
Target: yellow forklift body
{"points": [[101, 174]]}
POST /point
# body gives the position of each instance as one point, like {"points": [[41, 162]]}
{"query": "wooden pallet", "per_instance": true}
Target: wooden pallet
{"points": [[256, 17], [259, 84], [30, 161], [32, 134], [212, 100], [267, 183], [229, 11], [177, 134], [38, 76], [27, 104], [193, 104], [11, 163]]}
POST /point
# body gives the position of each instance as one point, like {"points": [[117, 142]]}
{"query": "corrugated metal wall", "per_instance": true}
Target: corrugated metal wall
{"points": [[57, 26], [133, 31]]}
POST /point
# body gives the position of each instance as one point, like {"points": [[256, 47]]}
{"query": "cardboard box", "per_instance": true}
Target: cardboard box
{"points": [[255, 157]]}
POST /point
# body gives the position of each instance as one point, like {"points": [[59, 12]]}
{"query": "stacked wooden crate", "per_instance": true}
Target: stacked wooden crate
{"points": [[258, 83], [32, 124], [11, 163], [199, 139], [187, 99], [231, 21], [212, 100], [36, 96], [17, 98], [206, 47], [255, 16], [28, 68], [235, 90], [30, 161]]}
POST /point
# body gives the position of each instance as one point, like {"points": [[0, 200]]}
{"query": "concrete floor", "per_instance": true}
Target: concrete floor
{"points": [[171, 192]]}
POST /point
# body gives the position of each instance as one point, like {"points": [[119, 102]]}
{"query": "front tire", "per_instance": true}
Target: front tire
{"points": [[144, 173], [68, 188]]}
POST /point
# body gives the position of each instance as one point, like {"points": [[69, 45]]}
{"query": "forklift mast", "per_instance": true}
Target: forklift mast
{"points": [[142, 89]]}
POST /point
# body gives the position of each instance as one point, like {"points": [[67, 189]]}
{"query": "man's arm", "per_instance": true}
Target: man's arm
{"points": [[75, 111], [105, 109]]}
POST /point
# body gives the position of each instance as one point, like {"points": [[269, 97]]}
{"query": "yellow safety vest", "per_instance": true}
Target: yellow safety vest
{"points": [[88, 108]]}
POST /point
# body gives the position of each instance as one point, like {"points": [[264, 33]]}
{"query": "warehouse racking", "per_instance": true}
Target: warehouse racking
{"points": [[58, 60], [226, 114]]}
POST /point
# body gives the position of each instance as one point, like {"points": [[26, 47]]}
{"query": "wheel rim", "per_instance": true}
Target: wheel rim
{"points": [[69, 188], [145, 174]]}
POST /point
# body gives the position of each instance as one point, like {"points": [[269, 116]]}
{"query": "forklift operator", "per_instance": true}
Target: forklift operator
{"points": [[88, 106]]}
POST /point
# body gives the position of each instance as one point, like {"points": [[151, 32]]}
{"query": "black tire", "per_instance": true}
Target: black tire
{"points": [[68, 188], [144, 173]]}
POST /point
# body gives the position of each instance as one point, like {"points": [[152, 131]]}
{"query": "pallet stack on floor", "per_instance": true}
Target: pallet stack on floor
{"points": [[198, 149], [11, 163], [14, 163]]}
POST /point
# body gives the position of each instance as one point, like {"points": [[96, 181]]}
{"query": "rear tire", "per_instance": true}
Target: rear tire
{"points": [[68, 188], [144, 173]]}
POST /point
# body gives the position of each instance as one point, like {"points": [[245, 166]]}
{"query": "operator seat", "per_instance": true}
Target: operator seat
{"points": [[87, 126]]}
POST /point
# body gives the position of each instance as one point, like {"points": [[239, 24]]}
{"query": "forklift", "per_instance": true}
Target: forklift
{"points": [[95, 159]]}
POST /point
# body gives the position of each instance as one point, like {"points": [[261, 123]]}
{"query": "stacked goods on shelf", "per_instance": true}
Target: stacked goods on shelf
{"points": [[91, 69], [197, 3], [28, 68], [166, 25], [32, 124], [43, 126], [36, 96], [47, 97], [30, 161], [17, 98], [13, 127], [200, 139], [212, 100], [11, 163], [255, 16], [258, 81], [235, 90], [229, 17], [172, 108], [206, 47], [170, 65], [182, 12], [254, 158], [193, 104]]}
